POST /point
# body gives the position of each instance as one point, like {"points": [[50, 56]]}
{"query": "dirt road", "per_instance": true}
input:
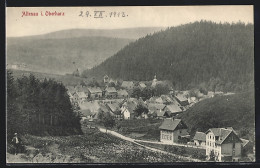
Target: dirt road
{"points": [[147, 147]]}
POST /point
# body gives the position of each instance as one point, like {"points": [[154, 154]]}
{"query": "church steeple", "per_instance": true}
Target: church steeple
{"points": [[154, 82]]}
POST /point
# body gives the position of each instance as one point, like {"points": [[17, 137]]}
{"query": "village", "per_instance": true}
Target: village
{"points": [[121, 102]]}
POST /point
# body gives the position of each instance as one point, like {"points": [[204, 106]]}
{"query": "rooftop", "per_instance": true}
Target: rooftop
{"points": [[170, 124]]}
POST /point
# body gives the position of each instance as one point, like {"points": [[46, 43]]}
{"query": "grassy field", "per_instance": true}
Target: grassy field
{"points": [[145, 129], [92, 147]]}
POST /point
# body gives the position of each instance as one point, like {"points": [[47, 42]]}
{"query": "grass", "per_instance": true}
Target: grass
{"points": [[92, 147], [196, 153], [148, 128]]}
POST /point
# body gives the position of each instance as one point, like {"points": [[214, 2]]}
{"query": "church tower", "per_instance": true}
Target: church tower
{"points": [[154, 82]]}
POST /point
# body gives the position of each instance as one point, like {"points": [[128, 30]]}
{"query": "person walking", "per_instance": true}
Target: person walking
{"points": [[16, 142]]}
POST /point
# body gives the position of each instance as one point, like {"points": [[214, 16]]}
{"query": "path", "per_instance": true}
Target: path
{"points": [[147, 147], [175, 144]]}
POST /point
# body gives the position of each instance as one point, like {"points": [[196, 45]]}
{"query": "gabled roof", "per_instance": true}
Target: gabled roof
{"points": [[201, 136], [111, 90], [181, 97], [113, 107], [155, 106], [170, 124], [130, 106], [94, 90], [86, 112], [244, 142], [173, 108], [142, 85], [160, 113], [222, 133], [103, 107], [92, 106], [81, 94], [127, 84], [122, 92], [156, 100], [166, 99]]}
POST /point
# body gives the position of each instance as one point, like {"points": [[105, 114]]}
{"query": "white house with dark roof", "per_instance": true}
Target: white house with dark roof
{"points": [[173, 131], [224, 143], [127, 110]]}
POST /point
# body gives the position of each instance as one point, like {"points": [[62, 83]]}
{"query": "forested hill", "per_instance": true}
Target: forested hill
{"points": [[188, 55], [237, 111]]}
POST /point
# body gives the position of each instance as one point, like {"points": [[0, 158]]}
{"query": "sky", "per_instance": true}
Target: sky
{"points": [[135, 16]]}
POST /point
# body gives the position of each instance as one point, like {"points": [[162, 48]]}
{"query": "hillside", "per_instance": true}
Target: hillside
{"points": [[129, 33], [65, 79], [58, 54], [188, 55], [237, 111]]}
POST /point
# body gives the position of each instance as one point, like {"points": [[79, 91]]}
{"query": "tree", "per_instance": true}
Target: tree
{"points": [[108, 121], [140, 109], [118, 126], [212, 156], [146, 93], [111, 84], [40, 106], [136, 92], [82, 83], [161, 89]]}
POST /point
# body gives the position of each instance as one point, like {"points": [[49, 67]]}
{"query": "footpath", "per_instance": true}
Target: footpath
{"points": [[147, 147]]}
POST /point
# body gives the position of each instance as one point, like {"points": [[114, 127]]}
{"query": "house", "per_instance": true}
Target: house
{"points": [[182, 100], [127, 110], [224, 143], [156, 108], [92, 106], [122, 93], [142, 85], [127, 84], [210, 94], [199, 139], [173, 131], [247, 147], [192, 100], [110, 92], [167, 99], [80, 97], [105, 109], [173, 109], [85, 114], [115, 109], [94, 92], [158, 100]]}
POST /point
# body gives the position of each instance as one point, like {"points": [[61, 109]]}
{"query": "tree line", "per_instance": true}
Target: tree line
{"points": [[188, 55], [39, 107]]}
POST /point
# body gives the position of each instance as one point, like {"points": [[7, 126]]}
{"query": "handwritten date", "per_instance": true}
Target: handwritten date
{"points": [[102, 14]]}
